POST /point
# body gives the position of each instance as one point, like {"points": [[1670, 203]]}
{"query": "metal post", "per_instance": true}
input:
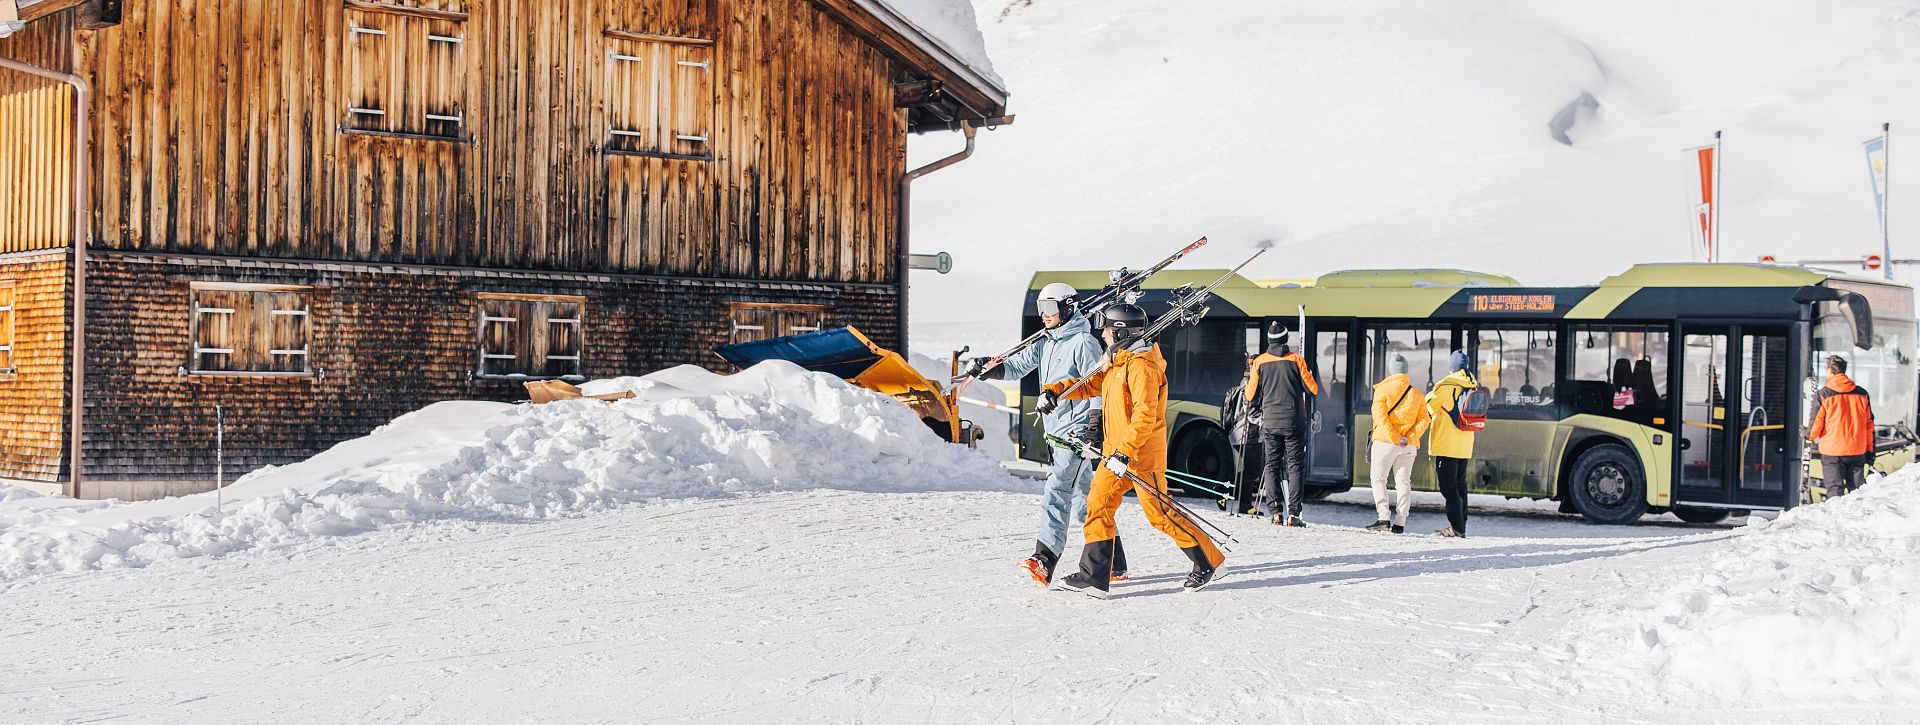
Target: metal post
{"points": [[1719, 200], [219, 456]]}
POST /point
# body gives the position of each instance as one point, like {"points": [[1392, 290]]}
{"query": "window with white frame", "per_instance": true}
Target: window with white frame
{"points": [[659, 95], [406, 69], [6, 327], [251, 329], [531, 336]]}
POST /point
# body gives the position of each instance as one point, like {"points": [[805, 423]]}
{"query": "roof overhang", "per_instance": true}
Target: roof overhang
{"points": [[965, 93]]}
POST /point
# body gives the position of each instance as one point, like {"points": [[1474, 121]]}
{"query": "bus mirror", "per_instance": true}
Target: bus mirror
{"points": [[1862, 314]]}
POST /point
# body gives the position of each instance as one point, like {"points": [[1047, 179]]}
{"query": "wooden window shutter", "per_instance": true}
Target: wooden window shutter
{"points": [[760, 321], [562, 354], [500, 338], [216, 343], [407, 70], [7, 306], [259, 331], [659, 95], [286, 325]]}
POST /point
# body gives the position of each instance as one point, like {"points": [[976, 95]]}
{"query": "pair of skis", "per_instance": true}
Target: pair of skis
{"points": [[1146, 488], [1123, 283]]}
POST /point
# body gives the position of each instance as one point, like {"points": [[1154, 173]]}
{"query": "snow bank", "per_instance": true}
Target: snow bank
{"points": [[1822, 602], [688, 433], [951, 23]]}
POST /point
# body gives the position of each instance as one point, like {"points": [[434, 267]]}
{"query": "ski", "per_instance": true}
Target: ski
{"points": [[1122, 282], [1079, 448], [1188, 308]]}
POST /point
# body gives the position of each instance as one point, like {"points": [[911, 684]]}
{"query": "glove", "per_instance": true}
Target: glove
{"points": [[1117, 463], [1049, 400], [977, 369], [1089, 449]]}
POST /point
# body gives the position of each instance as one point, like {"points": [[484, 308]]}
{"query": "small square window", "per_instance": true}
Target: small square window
{"points": [[531, 336], [659, 96], [259, 329], [407, 74]]}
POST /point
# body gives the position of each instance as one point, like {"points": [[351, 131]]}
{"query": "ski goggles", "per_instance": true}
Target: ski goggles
{"points": [[1051, 307]]}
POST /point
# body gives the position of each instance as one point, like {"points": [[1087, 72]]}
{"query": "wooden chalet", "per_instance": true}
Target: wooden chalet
{"points": [[321, 214]]}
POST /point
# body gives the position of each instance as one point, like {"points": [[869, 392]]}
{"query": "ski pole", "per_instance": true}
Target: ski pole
{"points": [[1190, 480], [1164, 498]]}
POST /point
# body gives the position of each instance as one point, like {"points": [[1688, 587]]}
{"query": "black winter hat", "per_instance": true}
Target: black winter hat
{"points": [[1276, 334]]}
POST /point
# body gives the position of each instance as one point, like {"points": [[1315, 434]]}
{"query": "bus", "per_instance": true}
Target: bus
{"points": [[1678, 388]]}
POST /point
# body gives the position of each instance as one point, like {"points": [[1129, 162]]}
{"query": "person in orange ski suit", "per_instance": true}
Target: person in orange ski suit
{"points": [[1133, 403]]}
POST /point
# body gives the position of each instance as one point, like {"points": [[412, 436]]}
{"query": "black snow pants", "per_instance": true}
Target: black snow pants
{"points": [[1247, 475], [1451, 473], [1284, 453], [1843, 474]]}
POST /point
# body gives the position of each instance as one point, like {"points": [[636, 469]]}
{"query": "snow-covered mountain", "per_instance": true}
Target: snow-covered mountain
{"points": [[1537, 138]]}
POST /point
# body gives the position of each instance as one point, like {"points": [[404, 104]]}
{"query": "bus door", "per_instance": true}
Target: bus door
{"points": [[1330, 445], [1736, 398]]}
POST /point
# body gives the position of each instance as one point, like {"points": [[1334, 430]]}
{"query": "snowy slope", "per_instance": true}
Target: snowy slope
{"points": [[688, 433], [1535, 138]]}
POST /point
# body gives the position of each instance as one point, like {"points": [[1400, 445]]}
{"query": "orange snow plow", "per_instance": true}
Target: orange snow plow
{"points": [[846, 353]]}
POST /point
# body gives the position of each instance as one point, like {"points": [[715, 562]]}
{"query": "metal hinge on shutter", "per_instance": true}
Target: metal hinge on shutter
{"points": [[357, 31], [701, 64], [628, 58], [444, 39]]}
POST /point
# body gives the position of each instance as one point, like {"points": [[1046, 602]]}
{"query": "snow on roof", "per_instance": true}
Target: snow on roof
{"points": [[951, 24]]}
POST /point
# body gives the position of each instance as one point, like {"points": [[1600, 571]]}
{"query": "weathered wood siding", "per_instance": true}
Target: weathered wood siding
{"points": [[219, 130], [33, 402], [36, 140]]}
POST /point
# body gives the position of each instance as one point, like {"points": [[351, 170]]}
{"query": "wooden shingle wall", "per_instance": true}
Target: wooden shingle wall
{"points": [[220, 131], [33, 402], [384, 341]]}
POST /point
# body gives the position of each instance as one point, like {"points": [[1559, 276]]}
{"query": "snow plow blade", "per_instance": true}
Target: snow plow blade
{"points": [[849, 355]]}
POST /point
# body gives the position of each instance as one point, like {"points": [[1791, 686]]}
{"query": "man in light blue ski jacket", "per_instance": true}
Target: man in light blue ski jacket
{"points": [[1067, 350]]}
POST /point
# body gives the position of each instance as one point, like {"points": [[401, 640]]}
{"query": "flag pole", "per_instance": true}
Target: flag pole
{"points": [[1713, 249], [1886, 157]]}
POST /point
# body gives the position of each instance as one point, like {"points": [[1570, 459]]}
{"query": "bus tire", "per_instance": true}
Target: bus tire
{"points": [[1202, 450], [1693, 515], [1607, 485]]}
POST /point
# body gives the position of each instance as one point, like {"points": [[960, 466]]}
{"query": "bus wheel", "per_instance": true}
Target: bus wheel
{"points": [[1607, 485], [1203, 451], [1693, 515]]}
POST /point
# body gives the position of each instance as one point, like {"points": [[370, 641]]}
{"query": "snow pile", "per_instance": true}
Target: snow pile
{"points": [[951, 23], [15, 493], [688, 433], [1822, 602]]}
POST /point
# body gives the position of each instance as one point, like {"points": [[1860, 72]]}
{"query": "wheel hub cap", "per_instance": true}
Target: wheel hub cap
{"points": [[1607, 485]]}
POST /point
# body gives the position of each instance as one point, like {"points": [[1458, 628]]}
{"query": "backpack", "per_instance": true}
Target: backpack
{"points": [[1470, 406]]}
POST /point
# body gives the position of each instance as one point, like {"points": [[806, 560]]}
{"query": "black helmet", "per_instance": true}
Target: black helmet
{"points": [[1126, 320]]}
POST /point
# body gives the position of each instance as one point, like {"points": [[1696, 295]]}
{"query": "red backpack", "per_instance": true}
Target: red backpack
{"points": [[1470, 406]]}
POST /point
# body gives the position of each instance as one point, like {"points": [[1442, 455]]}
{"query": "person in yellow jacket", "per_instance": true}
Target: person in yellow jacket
{"points": [[1399, 421], [1450, 447], [1133, 405]]}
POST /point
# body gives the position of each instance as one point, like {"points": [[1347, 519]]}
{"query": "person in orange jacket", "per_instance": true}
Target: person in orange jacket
{"points": [[1844, 428], [1399, 421], [1133, 404]]}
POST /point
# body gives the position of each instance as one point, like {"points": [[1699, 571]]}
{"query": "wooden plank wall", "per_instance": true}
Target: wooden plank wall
{"points": [[36, 140], [219, 132], [33, 397]]}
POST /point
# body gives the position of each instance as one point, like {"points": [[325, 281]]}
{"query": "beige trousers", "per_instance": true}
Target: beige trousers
{"points": [[1398, 461]]}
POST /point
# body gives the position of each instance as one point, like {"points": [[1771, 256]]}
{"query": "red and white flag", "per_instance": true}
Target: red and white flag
{"points": [[1702, 208]]}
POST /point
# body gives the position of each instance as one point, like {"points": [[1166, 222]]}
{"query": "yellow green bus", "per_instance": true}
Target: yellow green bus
{"points": [[1668, 388]]}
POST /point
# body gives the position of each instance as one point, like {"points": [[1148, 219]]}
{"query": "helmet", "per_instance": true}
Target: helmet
{"points": [[1126, 321], [1056, 298]]}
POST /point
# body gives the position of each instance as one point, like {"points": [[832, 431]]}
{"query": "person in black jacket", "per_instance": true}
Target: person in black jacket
{"points": [[1279, 389], [1244, 435]]}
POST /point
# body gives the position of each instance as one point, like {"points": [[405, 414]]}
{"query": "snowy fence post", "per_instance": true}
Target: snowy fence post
{"points": [[219, 457]]}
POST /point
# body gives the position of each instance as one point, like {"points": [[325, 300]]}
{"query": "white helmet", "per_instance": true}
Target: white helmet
{"points": [[1056, 298]]}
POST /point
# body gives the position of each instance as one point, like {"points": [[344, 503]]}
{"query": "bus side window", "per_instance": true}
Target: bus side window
{"points": [[1620, 371], [1516, 363]]}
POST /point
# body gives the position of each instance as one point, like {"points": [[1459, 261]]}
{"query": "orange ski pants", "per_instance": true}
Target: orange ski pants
{"points": [[1108, 490]]}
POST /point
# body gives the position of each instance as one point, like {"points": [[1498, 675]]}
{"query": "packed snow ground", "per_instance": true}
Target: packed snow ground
{"points": [[778, 546], [1536, 138]]}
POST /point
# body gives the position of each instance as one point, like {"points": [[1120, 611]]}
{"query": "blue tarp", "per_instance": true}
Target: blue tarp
{"points": [[838, 351]]}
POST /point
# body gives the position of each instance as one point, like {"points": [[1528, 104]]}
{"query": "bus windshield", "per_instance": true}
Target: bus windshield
{"points": [[1884, 368]]}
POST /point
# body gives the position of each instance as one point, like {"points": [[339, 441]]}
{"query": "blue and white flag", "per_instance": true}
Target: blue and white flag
{"points": [[1877, 167]]}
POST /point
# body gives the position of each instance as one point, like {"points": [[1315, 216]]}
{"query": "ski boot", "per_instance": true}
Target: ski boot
{"points": [[1203, 574], [1078, 582], [1040, 565]]}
